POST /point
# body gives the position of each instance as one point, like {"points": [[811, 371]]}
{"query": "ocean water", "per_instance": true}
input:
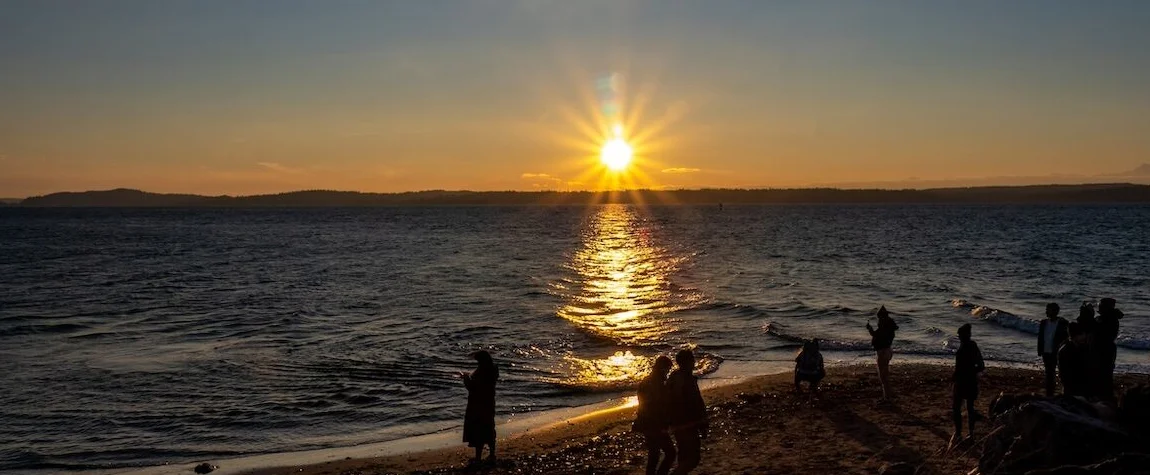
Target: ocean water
{"points": [[147, 336]]}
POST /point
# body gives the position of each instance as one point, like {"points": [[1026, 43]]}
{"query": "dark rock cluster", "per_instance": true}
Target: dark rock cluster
{"points": [[1068, 435]]}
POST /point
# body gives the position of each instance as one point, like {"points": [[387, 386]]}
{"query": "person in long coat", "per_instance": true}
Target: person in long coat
{"points": [[479, 420]]}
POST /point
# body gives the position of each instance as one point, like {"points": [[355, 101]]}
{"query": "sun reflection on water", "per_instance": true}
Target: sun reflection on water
{"points": [[620, 290]]}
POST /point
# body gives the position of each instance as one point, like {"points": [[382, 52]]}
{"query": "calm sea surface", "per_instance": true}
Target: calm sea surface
{"points": [[135, 337]]}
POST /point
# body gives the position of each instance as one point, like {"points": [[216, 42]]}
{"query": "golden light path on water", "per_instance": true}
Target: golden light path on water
{"points": [[621, 291]]}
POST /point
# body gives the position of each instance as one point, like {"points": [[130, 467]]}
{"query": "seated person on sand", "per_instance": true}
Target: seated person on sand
{"points": [[809, 366]]}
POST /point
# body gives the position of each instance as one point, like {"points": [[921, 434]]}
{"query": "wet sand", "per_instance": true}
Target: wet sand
{"points": [[757, 427]]}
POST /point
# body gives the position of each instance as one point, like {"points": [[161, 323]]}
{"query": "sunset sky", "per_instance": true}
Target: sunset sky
{"points": [[245, 96]]}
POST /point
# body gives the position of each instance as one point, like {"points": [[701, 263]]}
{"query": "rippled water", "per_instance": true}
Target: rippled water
{"points": [[148, 336]]}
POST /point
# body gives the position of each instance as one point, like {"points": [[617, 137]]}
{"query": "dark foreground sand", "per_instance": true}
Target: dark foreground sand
{"points": [[757, 427]]}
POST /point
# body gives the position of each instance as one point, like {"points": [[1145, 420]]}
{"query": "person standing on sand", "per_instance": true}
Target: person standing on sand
{"points": [[809, 367], [967, 365], [479, 420], [651, 417], [1086, 317], [1104, 343], [688, 413], [1051, 335], [1075, 365], [882, 339]]}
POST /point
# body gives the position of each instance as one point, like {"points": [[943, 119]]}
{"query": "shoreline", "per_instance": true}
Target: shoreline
{"points": [[435, 446], [758, 426], [517, 426]]}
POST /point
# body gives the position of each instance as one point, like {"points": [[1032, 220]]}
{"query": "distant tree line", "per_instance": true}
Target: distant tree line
{"points": [[1094, 193]]}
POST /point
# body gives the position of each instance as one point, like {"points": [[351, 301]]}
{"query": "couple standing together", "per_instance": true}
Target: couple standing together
{"points": [[672, 405], [668, 405]]}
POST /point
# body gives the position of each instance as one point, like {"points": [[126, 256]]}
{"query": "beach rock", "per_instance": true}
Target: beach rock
{"points": [[1135, 408], [750, 398], [205, 468], [899, 468], [1048, 433], [1003, 403]]}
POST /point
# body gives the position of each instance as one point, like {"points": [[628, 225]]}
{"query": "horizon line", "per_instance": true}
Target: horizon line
{"points": [[588, 191], [573, 192]]}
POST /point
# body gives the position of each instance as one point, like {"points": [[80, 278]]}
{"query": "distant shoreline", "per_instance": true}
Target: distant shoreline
{"points": [[1032, 194]]}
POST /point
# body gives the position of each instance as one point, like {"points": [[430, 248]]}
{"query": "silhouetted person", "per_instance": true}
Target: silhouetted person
{"points": [[1051, 335], [882, 339], [809, 366], [1075, 363], [651, 417], [1104, 343], [1086, 317], [479, 420], [967, 364], [688, 413]]}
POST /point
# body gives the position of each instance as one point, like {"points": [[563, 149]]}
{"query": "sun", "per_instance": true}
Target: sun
{"points": [[616, 153]]}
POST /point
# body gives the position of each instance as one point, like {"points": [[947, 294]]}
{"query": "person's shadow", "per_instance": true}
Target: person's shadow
{"points": [[873, 437], [911, 419]]}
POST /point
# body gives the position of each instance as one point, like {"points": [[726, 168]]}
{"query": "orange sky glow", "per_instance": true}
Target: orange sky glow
{"points": [[502, 96]]}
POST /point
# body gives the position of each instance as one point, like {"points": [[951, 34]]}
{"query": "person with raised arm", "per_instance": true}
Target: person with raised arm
{"points": [[882, 339]]}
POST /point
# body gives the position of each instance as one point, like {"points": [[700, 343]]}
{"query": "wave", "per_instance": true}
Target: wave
{"points": [[619, 372], [794, 309], [1001, 317], [779, 331], [1009, 320]]}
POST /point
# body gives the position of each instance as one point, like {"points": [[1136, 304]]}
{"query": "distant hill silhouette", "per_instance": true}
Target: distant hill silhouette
{"points": [[1095, 193], [1140, 170]]}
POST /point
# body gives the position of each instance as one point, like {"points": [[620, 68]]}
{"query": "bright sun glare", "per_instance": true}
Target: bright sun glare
{"points": [[616, 153]]}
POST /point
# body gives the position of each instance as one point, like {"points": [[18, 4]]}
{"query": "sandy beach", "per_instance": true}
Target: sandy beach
{"points": [[758, 426]]}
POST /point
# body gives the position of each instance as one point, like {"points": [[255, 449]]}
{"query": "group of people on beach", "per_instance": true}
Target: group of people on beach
{"points": [[1081, 353], [672, 416]]}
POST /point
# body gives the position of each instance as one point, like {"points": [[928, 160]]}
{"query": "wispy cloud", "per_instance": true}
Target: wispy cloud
{"points": [[279, 168], [681, 170], [543, 180]]}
